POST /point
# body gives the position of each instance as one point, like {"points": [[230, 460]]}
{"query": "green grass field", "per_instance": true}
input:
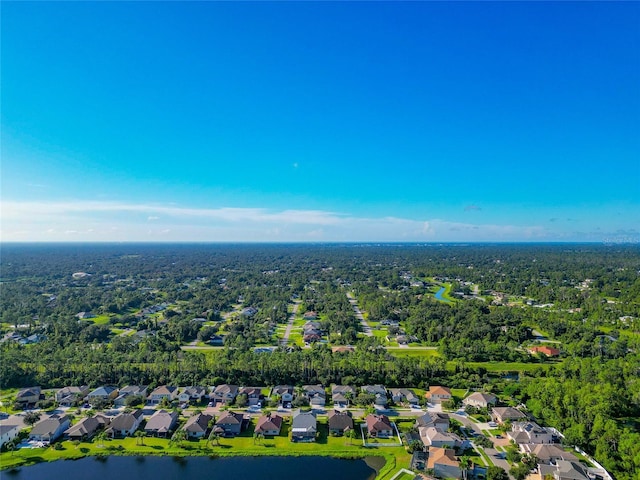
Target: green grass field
{"points": [[412, 352]]}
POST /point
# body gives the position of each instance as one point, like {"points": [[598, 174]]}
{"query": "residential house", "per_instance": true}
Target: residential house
{"points": [[379, 426], [130, 391], [197, 425], [217, 340], [125, 424], [438, 394], [192, 394], [342, 395], [224, 394], [249, 311], [380, 393], [547, 452], [28, 396], [564, 470], [85, 315], [311, 332], [343, 349], [269, 424], [8, 433], [529, 432], [71, 396], [544, 350], [50, 429], [432, 437], [404, 396], [106, 392], [433, 419], [480, 400], [85, 428], [284, 393], [254, 395], [163, 392], [443, 462], [161, 423], [310, 315], [502, 414], [304, 426], [231, 423], [315, 394], [339, 422]]}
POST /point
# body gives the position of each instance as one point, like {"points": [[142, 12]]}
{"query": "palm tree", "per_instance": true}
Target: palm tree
{"points": [[214, 436], [466, 464], [347, 435], [139, 437], [11, 446], [178, 437], [100, 438]]}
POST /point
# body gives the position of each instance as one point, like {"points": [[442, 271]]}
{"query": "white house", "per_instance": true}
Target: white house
{"points": [[8, 433]]}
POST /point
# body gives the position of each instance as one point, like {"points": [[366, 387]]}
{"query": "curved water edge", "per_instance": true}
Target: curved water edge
{"points": [[168, 468], [438, 295]]}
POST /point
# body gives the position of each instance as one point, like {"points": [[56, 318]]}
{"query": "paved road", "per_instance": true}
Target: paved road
{"points": [[491, 452], [285, 338], [366, 329]]}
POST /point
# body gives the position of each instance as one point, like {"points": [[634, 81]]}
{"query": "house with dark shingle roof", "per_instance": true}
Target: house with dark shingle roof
{"points": [[192, 394], [404, 395], [304, 426], [379, 426], [169, 393], [161, 423], [547, 453], [529, 432], [564, 470], [433, 419], [380, 393], [106, 392], [197, 425], [224, 393], [341, 395], [125, 424], [28, 396], [315, 394], [50, 429], [85, 428], [254, 394], [339, 422], [269, 424], [284, 393], [231, 423], [502, 414], [71, 396], [130, 391]]}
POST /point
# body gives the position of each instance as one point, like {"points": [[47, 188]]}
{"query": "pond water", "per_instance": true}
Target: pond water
{"points": [[169, 468], [439, 296]]}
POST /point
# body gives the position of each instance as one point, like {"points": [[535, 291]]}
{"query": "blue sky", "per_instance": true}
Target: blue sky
{"points": [[312, 121]]}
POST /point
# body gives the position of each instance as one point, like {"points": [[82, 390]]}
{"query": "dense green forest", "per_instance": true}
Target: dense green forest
{"points": [[154, 310]]}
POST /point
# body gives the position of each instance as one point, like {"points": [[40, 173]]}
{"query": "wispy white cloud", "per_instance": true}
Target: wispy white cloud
{"points": [[113, 221]]}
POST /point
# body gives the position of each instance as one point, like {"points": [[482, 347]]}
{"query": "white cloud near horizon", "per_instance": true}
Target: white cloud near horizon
{"points": [[115, 221]]}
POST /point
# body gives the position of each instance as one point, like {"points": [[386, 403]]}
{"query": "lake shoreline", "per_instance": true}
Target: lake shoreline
{"points": [[371, 458]]}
